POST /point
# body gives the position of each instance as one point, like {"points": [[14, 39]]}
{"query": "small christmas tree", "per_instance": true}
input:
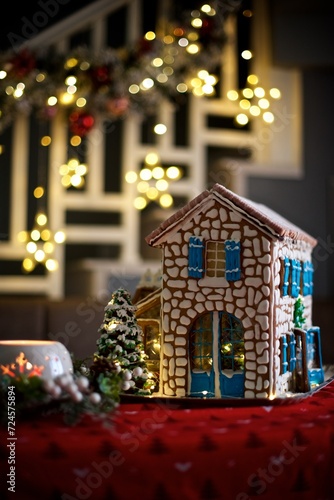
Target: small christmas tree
{"points": [[120, 342], [298, 314]]}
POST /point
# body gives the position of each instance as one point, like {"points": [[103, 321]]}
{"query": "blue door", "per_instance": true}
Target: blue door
{"points": [[314, 357], [217, 356], [309, 369]]}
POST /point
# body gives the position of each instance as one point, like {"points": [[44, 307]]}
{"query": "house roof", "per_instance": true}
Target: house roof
{"points": [[153, 299], [268, 220]]}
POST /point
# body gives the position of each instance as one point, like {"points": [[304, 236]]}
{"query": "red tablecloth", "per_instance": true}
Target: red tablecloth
{"points": [[161, 451]]}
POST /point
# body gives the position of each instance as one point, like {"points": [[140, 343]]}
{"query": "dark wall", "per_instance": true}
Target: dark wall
{"points": [[303, 38]]}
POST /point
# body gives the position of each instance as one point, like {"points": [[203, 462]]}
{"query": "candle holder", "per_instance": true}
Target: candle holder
{"points": [[45, 359]]}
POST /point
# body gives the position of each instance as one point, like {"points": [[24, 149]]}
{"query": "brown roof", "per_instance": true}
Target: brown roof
{"points": [[262, 216]]}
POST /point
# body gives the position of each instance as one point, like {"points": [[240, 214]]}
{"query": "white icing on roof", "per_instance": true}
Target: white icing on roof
{"points": [[259, 214]]}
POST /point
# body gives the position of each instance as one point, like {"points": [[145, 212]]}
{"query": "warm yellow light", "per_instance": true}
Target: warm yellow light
{"points": [[152, 193], [71, 63], [168, 39], [66, 98], [39, 255], [77, 180], [166, 200], [81, 102], [160, 129], [150, 35], [145, 174], [71, 80], [63, 169], [162, 78], [75, 140], [46, 140], [41, 219], [246, 54], [45, 234], [232, 95], [140, 203], [52, 101], [268, 117], [193, 48], [142, 186], [206, 8], [252, 79], [264, 103], [242, 119], [181, 87], [197, 22], [161, 185], [275, 93], [157, 62], [31, 247], [248, 93], [35, 235], [211, 79], [196, 82], [134, 89], [66, 181], [147, 84], [158, 173], [259, 92], [81, 169], [244, 104], [28, 264], [59, 237], [168, 71], [151, 158], [131, 177], [22, 236], [173, 172], [48, 247], [51, 264], [3, 74], [254, 110], [169, 59], [198, 91], [208, 89], [38, 192]]}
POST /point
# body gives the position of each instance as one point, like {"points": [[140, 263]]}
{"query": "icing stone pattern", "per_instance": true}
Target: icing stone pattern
{"points": [[225, 314]]}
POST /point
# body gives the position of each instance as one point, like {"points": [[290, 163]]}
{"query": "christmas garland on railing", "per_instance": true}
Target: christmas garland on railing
{"points": [[116, 82]]}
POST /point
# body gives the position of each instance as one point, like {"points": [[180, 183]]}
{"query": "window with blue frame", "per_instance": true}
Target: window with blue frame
{"points": [[222, 259], [297, 278], [284, 354]]}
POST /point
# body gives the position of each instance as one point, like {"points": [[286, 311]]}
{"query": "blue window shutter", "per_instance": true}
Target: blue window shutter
{"points": [[232, 253], [292, 352], [295, 278], [195, 257], [307, 278], [286, 275], [284, 354]]}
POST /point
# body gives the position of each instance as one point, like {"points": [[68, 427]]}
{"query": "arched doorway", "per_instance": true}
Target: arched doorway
{"points": [[216, 348]]}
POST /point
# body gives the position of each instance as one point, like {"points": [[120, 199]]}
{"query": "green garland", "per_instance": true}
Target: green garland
{"points": [[110, 83]]}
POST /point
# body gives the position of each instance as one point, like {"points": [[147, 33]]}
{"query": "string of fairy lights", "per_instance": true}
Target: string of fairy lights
{"points": [[112, 85]]}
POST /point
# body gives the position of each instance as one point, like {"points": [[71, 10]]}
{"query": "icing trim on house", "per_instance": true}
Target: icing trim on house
{"points": [[259, 214]]}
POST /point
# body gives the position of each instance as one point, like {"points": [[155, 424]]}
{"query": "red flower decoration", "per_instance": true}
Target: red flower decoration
{"points": [[81, 123], [22, 63], [100, 76]]}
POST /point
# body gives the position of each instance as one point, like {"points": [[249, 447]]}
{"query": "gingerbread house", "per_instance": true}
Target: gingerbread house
{"points": [[236, 301]]}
